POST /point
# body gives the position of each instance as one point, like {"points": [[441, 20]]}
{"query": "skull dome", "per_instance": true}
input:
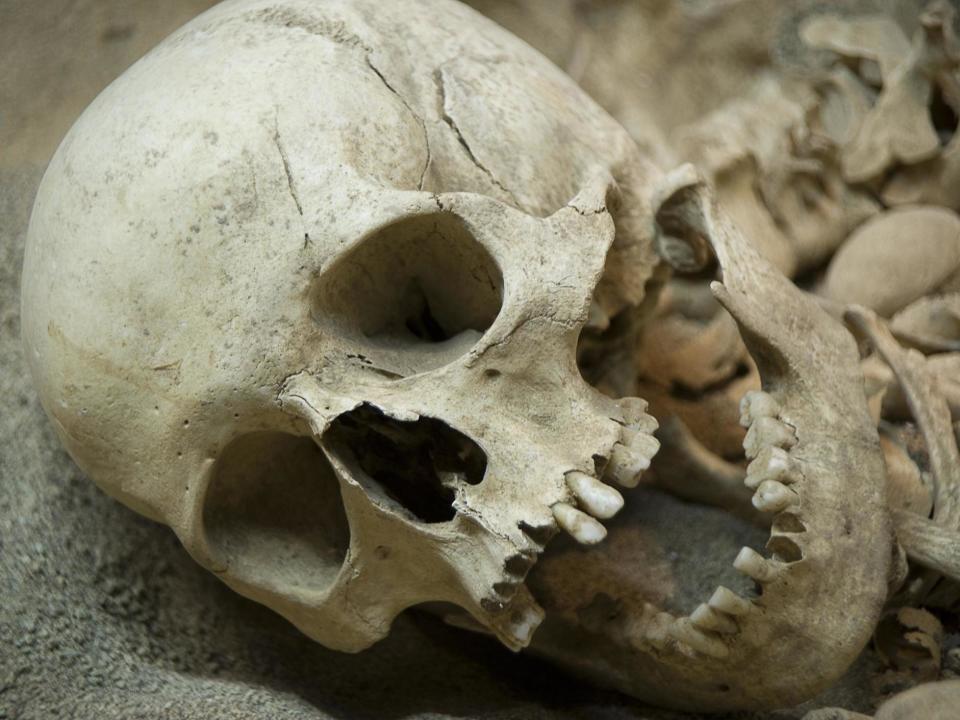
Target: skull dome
{"points": [[306, 284]]}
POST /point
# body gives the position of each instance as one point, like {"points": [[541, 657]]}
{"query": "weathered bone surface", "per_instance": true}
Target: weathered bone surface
{"points": [[816, 470], [298, 224], [861, 271]]}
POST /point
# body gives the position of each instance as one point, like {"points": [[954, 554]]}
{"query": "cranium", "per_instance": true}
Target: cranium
{"points": [[308, 290]]}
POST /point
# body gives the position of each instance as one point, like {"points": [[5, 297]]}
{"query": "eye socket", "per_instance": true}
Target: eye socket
{"points": [[273, 512], [422, 285]]}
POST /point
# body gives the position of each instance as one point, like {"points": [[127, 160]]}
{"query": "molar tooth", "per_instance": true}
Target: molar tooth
{"points": [[727, 601], [640, 442], [772, 496], [771, 463], [684, 631], [581, 526], [768, 432], [597, 498], [634, 412], [657, 630], [754, 565], [523, 622], [706, 618], [626, 465], [755, 405]]}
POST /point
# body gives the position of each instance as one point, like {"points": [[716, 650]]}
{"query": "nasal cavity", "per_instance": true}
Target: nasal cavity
{"points": [[416, 465]]}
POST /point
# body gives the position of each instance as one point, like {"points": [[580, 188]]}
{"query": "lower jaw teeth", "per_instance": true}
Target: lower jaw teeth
{"points": [[706, 618], [727, 601], [772, 496], [754, 565], [767, 432], [685, 632]]}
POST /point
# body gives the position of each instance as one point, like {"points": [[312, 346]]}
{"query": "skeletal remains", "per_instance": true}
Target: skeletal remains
{"points": [[317, 284]]}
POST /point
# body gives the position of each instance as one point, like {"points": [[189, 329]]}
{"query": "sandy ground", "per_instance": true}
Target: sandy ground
{"points": [[102, 614]]}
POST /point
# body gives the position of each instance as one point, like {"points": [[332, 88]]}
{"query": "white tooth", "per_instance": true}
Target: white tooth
{"points": [[771, 463], [597, 498], [683, 631], [626, 465], [757, 404], [772, 496], [634, 412], [727, 601], [754, 565], [767, 432], [581, 526], [523, 622], [706, 618], [657, 630], [640, 442]]}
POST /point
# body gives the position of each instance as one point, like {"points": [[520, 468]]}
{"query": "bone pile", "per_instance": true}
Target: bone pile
{"points": [[393, 305]]}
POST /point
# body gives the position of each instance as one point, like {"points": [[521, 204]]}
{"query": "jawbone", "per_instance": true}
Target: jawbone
{"points": [[622, 613]]}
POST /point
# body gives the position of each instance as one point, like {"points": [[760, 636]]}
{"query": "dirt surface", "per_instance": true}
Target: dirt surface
{"points": [[102, 614]]}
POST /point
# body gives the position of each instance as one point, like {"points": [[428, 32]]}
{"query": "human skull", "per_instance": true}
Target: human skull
{"points": [[306, 284]]}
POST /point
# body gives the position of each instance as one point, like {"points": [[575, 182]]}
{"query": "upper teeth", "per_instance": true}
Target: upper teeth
{"points": [[581, 526], [597, 498]]}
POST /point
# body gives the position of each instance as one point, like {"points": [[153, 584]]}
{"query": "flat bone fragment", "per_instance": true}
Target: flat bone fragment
{"points": [[919, 246], [930, 324], [876, 37], [930, 701], [929, 409]]}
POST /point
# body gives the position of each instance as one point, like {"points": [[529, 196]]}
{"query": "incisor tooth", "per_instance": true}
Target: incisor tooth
{"points": [[581, 526], [771, 463], [706, 618], [772, 496], [727, 601], [684, 631], [626, 465], [597, 498], [755, 405], [754, 565], [768, 432]]}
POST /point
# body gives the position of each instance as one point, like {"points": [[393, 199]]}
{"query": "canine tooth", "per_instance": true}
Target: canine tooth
{"points": [[772, 496], [727, 601], [597, 498], [755, 405], [768, 432], [706, 618], [754, 565], [685, 632], [581, 526], [626, 465], [771, 463]]}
